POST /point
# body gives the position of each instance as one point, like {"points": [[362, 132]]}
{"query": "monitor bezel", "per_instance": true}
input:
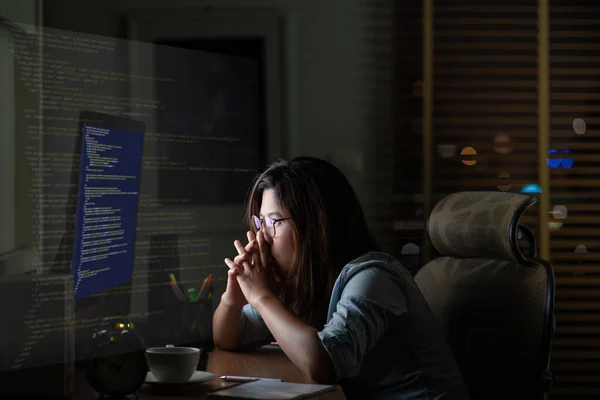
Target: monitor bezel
{"points": [[107, 121]]}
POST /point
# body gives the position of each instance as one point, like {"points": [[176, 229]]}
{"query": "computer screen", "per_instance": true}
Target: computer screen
{"points": [[107, 202]]}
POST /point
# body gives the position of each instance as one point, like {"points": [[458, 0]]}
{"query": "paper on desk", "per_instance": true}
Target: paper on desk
{"points": [[271, 390]]}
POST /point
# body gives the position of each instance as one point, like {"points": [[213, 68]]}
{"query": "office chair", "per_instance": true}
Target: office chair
{"points": [[494, 301]]}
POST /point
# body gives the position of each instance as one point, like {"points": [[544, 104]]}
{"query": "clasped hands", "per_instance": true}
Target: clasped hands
{"points": [[254, 269]]}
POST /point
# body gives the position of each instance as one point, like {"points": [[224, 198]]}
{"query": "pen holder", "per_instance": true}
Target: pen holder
{"points": [[195, 321]]}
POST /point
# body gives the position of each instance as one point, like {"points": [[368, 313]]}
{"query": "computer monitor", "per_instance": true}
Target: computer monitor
{"points": [[107, 202], [98, 244]]}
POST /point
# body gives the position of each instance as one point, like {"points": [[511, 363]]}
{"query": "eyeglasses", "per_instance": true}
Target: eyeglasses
{"points": [[268, 223]]}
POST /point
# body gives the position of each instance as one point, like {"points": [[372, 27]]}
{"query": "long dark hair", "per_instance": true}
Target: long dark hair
{"points": [[329, 229]]}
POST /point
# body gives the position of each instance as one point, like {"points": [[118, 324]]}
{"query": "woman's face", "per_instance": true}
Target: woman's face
{"points": [[282, 245]]}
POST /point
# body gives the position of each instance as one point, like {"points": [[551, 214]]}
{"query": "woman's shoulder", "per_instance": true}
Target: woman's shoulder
{"points": [[375, 277], [375, 259], [374, 256], [376, 262]]}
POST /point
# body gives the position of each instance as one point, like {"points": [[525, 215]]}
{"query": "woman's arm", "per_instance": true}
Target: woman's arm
{"points": [[226, 329], [234, 322], [247, 333], [297, 339]]}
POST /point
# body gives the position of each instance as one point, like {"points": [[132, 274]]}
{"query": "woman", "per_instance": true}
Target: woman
{"points": [[311, 278]]}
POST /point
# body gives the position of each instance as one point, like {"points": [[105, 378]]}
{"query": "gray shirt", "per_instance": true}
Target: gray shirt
{"points": [[381, 335]]}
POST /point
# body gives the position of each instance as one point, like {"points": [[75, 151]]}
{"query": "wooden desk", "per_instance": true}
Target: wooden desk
{"points": [[266, 362]]}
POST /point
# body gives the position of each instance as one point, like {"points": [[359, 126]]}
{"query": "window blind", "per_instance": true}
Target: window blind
{"points": [[575, 195], [485, 98], [378, 65], [407, 123]]}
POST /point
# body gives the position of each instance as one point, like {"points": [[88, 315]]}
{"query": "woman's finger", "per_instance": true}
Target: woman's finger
{"points": [[251, 246], [263, 249], [266, 258], [232, 272], [233, 266], [256, 261], [242, 258], [239, 247], [241, 250]]}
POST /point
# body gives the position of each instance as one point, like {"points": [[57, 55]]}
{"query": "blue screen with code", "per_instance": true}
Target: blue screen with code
{"points": [[107, 203]]}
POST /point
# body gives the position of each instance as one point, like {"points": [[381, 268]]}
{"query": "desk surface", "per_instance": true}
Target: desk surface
{"points": [[266, 362]]}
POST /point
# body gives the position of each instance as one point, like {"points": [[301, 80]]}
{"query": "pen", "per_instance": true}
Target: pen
{"points": [[177, 291], [199, 295], [231, 378], [210, 286], [174, 284], [205, 285]]}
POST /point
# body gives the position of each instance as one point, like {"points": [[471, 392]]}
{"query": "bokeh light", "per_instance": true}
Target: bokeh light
{"points": [[566, 161], [503, 144], [411, 256], [505, 186], [553, 160], [410, 249], [581, 249], [579, 126], [557, 159], [560, 212], [532, 188], [468, 156], [555, 225]]}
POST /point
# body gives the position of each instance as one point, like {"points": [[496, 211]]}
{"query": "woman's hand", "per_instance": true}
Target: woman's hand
{"points": [[233, 295], [255, 273]]}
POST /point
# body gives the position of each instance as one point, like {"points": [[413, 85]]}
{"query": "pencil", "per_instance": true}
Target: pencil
{"points": [[209, 286], [177, 291], [182, 295], [202, 288]]}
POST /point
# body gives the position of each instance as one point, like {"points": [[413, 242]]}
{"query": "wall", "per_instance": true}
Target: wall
{"points": [[13, 213], [23, 11], [324, 76], [323, 56]]}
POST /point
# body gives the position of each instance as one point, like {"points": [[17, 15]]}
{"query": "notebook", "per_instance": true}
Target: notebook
{"points": [[270, 390]]}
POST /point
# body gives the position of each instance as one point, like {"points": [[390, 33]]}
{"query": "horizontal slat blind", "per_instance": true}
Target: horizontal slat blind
{"points": [[575, 195], [409, 216], [485, 97], [377, 64], [486, 107]]}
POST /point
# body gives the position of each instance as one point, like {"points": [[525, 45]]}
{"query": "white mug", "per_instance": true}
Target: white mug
{"points": [[173, 364]]}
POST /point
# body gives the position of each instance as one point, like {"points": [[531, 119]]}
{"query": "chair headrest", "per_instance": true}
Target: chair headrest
{"points": [[479, 225]]}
